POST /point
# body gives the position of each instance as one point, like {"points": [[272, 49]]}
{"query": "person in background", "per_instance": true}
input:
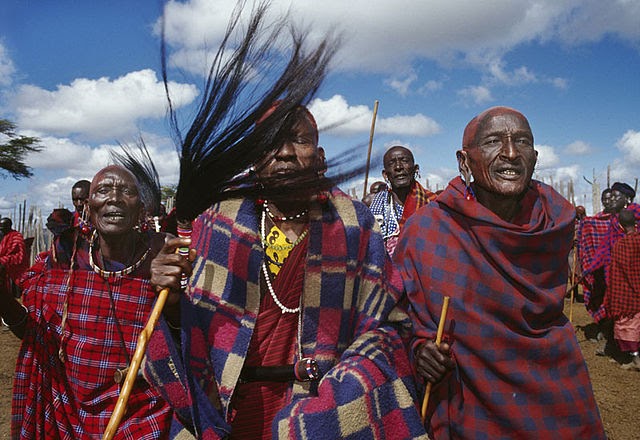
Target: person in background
{"points": [[374, 188], [590, 233], [597, 268], [14, 257], [401, 198], [84, 304], [79, 196], [496, 243], [623, 291]]}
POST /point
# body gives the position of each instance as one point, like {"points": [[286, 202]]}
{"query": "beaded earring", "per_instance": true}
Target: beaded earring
{"points": [[84, 224], [468, 190]]}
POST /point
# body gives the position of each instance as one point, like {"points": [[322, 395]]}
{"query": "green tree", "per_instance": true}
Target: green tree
{"points": [[13, 150]]}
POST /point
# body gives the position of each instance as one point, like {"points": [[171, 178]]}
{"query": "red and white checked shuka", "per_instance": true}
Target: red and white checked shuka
{"points": [[74, 399]]}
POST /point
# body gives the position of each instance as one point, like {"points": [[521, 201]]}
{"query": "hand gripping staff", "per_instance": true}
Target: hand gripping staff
{"points": [[443, 317], [219, 149]]}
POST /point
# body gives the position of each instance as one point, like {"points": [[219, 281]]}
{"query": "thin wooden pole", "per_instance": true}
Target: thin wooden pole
{"points": [[143, 340], [184, 231], [373, 127], [443, 317], [574, 265]]}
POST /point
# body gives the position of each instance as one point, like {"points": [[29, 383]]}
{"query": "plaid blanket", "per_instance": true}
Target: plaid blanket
{"points": [[392, 216], [597, 267], [591, 232], [623, 291], [74, 399], [13, 255], [519, 370], [349, 292]]}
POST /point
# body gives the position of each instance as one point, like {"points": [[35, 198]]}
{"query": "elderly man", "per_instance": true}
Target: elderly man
{"points": [[497, 245], [85, 303], [284, 326], [401, 198], [14, 258]]}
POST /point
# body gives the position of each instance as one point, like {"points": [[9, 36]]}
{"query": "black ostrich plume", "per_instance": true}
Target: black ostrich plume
{"points": [[224, 140], [138, 161]]}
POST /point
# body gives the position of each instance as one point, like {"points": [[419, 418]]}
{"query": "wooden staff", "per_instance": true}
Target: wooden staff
{"points": [[121, 405], [373, 127], [573, 280], [443, 317]]}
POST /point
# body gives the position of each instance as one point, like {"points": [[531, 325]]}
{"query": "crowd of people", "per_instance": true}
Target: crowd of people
{"points": [[608, 255], [297, 312], [313, 315]]}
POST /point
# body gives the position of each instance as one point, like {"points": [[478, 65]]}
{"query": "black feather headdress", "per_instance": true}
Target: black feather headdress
{"points": [[224, 141], [138, 161]]}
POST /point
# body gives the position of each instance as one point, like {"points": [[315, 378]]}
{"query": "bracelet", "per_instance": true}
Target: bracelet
{"points": [[22, 321], [311, 366]]}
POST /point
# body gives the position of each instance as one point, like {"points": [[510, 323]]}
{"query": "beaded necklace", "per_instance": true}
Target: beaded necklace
{"points": [[265, 270], [265, 205], [120, 273]]}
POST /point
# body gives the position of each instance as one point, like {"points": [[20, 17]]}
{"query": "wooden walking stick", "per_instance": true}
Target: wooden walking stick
{"points": [[373, 127], [443, 317], [225, 138], [573, 280]]}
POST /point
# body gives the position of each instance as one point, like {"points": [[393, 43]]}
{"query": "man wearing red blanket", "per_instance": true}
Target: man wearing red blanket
{"points": [[511, 366]]}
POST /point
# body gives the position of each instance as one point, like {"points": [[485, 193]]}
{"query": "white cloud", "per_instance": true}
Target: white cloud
{"points": [[476, 34], [547, 157], [336, 116], [100, 109], [402, 85], [431, 86], [7, 68], [478, 94], [629, 144], [578, 148]]}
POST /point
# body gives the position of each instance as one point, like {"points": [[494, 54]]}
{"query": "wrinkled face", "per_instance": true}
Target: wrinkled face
{"points": [[79, 195], [618, 201], [114, 204], [399, 167], [503, 159], [606, 201], [298, 154]]}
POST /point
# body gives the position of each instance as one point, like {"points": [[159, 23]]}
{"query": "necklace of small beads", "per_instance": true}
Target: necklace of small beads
{"points": [[265, 205], [120, 273], [267, 278]]}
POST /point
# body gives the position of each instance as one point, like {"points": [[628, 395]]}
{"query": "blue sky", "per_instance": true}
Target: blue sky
{"points": [[83, 76]]}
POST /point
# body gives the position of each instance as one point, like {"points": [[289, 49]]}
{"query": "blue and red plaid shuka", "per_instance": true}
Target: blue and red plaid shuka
{"points": [[591, 232], [519, 371], [350, 291], [596, 258], [74, 399]]}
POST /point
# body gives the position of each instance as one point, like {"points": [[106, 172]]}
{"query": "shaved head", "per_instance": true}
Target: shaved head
{"points": [[470, 137]]}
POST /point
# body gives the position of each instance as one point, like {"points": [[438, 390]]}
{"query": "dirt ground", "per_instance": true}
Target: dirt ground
{"points": [[617, 390]]}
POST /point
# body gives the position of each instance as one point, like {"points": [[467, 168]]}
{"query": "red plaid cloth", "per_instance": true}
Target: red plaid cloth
{"points": [[13, 255], [623, 291], [591, 232], [519, 369], [74, 399]]}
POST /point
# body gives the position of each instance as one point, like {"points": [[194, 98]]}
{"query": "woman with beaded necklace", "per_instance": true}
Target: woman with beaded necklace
{"points": [[80, 319]]}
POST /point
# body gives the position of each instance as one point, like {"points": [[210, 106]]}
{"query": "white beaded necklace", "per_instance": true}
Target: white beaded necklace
{"points": [[284, 218], [265, 270]]}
